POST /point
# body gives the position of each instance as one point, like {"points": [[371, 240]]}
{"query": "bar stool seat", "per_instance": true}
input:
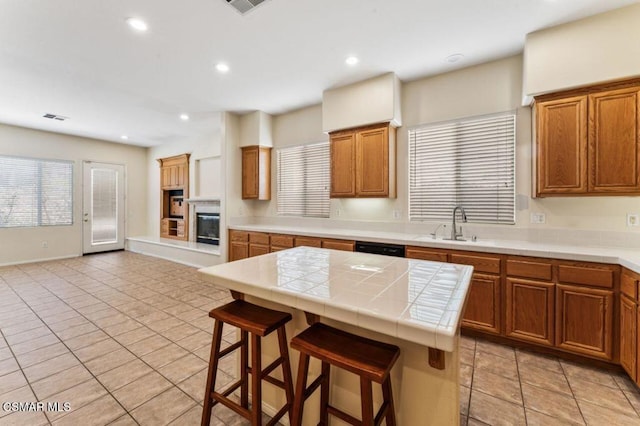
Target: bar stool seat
{"points": [[259, 322], [369, 359]]}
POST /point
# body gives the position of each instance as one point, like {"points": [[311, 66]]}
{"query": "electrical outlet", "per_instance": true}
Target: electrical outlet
{"points": [[45, 244], [538, 218], [396, 214], [338, 212], [633, 219]]}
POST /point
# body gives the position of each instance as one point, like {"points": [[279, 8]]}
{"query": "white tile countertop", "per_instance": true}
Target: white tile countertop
{"points": [[629, 258], [414, 300]]}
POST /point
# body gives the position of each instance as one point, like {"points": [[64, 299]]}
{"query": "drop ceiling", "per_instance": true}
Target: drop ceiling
{"points": [[79, 59]]}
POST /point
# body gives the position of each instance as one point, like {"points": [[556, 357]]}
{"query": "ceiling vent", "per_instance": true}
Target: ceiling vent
{"points": [[243, 6], [55, 117]]}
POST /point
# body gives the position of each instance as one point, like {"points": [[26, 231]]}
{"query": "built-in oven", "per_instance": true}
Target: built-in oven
{"points": [[208, 227]]}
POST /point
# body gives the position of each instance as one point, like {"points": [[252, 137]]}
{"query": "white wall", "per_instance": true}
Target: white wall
{"points": [[482, 89], [25, 244], [600, 48]]}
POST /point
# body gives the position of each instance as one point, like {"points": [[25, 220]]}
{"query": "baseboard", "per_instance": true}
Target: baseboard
{"points": [[45, 259]]}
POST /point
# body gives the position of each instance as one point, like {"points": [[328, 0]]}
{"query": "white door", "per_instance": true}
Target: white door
{"points": [[103, 207]]}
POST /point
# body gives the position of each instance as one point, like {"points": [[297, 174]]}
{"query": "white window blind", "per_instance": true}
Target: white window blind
{"points": [[303, 180], [469, 162], [35, 192]]}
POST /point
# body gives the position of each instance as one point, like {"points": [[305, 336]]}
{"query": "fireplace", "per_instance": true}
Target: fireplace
{"points": [[208, 228]]}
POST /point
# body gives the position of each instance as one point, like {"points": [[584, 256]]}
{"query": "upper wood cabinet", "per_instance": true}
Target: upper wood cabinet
{"points": [[588, 141], [363, 162], [174, 190], [174, 172], [256, 173]]}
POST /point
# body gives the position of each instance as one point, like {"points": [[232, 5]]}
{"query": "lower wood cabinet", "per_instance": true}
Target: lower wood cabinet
{"points": [[425, 254], [483, 310], [628, 336], [584, 321], [308, 242], [339, 245], [530, 308]]}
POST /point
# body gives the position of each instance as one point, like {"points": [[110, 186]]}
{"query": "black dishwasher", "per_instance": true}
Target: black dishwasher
{"points": [[379, 248]]}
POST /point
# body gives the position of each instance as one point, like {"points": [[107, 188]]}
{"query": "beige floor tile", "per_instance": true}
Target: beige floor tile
{"points": [[60, 381], [551, 403], [191, 417], [468, 342], [12, 381], [475, 422], [195, 341], [466, 375], [634, 399], [166, 324], [585, 372], [142, 390], [134, 336], [204, 353], [124, 374], [99, 412], [148, 345], [68, 323], [538, 360], [495, 411], [7, 366], [5, 352], [57, 318], [86, 340], [535, 418], [97, 350], [123, 327], [127, 420], [25, 336], [180, 332], [497, 365], [496, 349], [498, 386], [22, 394], [109, 361], [164, 356], [153, 317], [50, 367], [624, 382], [597, 415], [183, 368], [467, 356], [34, 344], [465, 399], [164, 408], [77, 397], [110, 320], [544, 378], [41, 355], [76, 331], [22, 418], [600, 395]]}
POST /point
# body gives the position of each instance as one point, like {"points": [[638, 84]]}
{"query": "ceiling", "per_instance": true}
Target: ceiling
{"points": [[79, 58]]}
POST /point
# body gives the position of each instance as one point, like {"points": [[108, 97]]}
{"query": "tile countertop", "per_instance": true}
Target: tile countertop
{"points": [[415, 300], [629, 258]]}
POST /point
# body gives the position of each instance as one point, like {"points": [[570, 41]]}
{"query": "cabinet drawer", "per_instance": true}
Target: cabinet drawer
{"points": [[239, 236], [308, 241], [529, 269], [479, 263], [258, 238], [164, 226], [587, 275], [338, 245], [629, 285], [282, 241], [423, 254]]}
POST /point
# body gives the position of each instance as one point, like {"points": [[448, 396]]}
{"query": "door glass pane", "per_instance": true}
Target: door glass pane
{"points": [[104, 206]]}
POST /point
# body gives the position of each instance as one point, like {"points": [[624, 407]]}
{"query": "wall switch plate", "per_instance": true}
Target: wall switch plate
{"points": [[338, 212], [396, 214], [633, 219], [45, 244], [538, 218]]}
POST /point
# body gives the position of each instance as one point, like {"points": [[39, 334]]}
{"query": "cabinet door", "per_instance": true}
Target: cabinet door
{"points": [[628, 335], [342, 165], [166, 177], [238, 250], [338, 245], [308, 241], [562, 146], [530, 310], [614, 141], [249, 173], [584, 319], [372, 162], [258, 249], [425, 254], [483, 304]]}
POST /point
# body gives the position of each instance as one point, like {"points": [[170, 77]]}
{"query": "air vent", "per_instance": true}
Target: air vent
{"points": [[55, 117], [243, 6]]}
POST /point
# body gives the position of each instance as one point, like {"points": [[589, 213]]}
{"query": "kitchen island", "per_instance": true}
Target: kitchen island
{"points": [[414, 304]]}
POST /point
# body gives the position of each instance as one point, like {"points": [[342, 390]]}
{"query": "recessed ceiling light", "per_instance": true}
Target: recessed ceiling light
{"points": [[184, 117], [137, 24], [222, 67], [454, 58], [124, 137], [352, 60]]}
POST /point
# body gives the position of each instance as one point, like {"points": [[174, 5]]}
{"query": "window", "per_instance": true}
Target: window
{"points": [[468, 162], [35, 192], [303, 180]]}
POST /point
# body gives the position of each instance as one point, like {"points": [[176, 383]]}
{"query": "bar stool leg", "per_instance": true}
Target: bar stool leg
{"points": [[244, 369], [367, 401], [286, 369], [324, 394], [256, 388], [387, 395], [301, 386], [211, 375]]}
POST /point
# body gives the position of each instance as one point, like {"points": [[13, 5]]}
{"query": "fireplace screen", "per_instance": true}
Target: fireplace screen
{"points": [[208, 228]]}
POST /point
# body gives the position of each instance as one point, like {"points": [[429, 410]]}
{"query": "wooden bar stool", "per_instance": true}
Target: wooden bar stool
{"points": [[259, 322], [369, 359]]}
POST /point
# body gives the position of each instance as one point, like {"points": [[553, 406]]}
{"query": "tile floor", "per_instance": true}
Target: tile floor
{"points": [[125, 338]]}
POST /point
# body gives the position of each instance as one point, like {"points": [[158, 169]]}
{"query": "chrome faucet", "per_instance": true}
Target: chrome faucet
{"points": [[455, 236]]}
